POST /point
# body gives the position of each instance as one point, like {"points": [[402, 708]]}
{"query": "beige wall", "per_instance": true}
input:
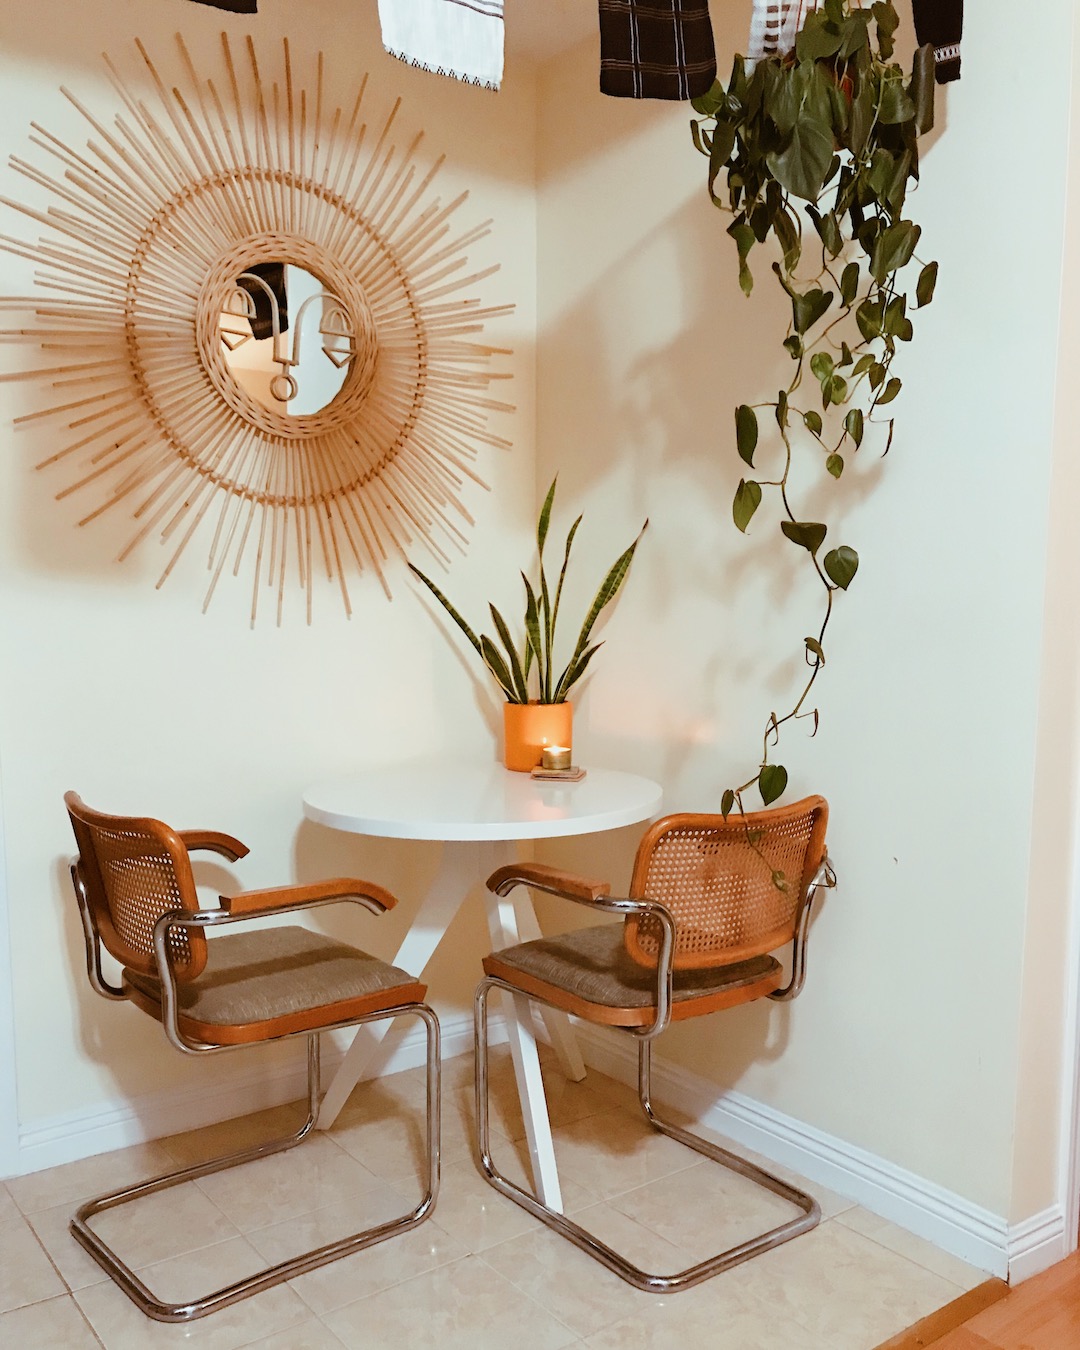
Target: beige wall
{"points": [[137, 700], [906, 1041], [930, 1032]]}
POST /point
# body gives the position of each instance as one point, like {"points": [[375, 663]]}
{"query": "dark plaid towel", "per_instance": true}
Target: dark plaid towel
{"points": [[234, 6], [941, 23], [656, 48]]}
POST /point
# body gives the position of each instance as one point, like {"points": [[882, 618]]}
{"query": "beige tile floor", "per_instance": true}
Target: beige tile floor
{"points": [[481, 1274]]}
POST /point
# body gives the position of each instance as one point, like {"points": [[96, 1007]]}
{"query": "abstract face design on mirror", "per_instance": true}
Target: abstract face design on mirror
{"points": [[269, 352], [279, 347]]}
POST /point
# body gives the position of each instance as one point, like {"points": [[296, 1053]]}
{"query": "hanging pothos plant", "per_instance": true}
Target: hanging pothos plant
{"points": [[825, 134]]}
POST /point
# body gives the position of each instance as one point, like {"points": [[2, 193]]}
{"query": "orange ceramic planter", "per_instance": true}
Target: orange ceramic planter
{"points": [[528, 727]]}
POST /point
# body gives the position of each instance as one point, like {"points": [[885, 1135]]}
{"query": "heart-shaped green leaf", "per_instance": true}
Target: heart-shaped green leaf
{"points": [[840, 565], [746, 432], [747, 500], [772, 780], [808, 534]]}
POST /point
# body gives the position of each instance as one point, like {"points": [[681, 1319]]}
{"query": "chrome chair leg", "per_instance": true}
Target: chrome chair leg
{"points": [[153, 1307], [657, 1284]]}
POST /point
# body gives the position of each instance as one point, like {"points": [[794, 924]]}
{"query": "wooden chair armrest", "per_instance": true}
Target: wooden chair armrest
{"points": [[546, 878], [214, 842], [315, 892]]}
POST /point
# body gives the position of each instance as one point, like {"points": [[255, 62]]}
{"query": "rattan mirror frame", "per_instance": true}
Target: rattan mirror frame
{"points": [[148, 228]]}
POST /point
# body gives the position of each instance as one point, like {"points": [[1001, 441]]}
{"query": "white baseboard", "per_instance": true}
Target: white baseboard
{"points": [[1036, 1244], [118, 1124], [949, 1221]]}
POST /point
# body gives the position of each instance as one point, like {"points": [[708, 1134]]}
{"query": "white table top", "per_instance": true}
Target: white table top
{"points": [[449, 800]]}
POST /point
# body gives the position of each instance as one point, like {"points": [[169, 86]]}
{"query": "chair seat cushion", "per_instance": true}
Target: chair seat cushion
{"points": [[276, 981], [590, 974]]}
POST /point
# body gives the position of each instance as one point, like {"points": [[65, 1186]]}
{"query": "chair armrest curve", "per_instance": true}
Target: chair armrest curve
{"points": [[309, 893], [214, 842], [538, 875]]}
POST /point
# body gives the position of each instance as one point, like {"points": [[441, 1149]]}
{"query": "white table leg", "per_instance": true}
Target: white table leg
{"points": [[456, 875], [503, 927], [559, 1031]]}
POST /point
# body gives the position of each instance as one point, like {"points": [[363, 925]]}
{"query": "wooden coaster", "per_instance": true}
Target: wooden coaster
{"points": [[571, 775]]}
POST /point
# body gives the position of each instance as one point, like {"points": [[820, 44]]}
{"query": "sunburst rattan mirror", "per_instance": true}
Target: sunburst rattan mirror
{"points": [[241, 214]]}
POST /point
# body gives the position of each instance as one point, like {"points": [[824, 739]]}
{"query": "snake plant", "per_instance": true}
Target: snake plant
{"points": [[525, 670]]}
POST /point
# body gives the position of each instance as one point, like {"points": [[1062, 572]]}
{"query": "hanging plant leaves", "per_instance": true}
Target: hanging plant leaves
{"points": [[853, 425], [840, 565], [808, 534], [835, 465], [727, 801], [746, 432], [772, 780], [813, 422], [808, 307], [924, 291], [747, 500]]}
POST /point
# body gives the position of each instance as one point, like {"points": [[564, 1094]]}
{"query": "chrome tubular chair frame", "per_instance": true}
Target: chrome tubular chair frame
{"points": [[108, 1259], [810, 1211]]}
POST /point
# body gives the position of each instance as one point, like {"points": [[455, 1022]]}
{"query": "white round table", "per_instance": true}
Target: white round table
{"points": [[477, 809]]}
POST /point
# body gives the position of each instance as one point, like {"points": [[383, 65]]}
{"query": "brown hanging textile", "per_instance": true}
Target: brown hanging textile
{"points": [[656, 48], [941, 23], [234, 6]]}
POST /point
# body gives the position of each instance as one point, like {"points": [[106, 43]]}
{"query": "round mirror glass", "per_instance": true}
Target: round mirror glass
{"points": [[288, 340]]}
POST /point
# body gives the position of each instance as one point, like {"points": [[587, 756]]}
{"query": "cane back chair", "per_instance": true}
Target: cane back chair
{"points": [[137, 899], [710, 899]]}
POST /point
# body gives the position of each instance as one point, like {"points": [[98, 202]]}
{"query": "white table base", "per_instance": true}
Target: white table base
{"points": [[510, 920]]}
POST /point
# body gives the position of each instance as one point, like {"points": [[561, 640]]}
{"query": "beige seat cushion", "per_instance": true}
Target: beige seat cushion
{"points": [[276, 980], [589, 973]]}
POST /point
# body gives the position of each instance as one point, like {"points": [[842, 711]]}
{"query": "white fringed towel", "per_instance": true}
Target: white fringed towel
{"points": [[460, 38], [775, 25]]}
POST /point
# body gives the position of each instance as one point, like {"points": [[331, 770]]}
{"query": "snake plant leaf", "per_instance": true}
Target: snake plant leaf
{"points": [[840, 565], [772, 780], [609, 589], [562, 571], [473, 639], [545, 517], [747, 500], [533, 646], [517, 674], [746, 432], [498, 668], [574, 672], [808, 534]]}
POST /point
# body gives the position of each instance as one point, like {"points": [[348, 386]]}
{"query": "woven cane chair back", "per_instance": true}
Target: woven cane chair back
{"points": [[735, 887], [133, 871]]}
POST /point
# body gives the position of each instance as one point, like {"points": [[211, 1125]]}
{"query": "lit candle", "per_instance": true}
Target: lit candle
{"points": [[555, 757]]}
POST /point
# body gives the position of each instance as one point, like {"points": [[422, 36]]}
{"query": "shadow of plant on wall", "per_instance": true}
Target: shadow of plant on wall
{"points": [[832, 127]]}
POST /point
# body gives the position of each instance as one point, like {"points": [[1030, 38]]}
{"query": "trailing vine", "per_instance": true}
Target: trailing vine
{"points": [[832, 128]]}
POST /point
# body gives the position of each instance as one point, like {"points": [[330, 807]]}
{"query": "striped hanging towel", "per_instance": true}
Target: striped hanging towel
{"points": [[941, 23], [656, 48], [234, 6], [775, 25], [460, 38]]}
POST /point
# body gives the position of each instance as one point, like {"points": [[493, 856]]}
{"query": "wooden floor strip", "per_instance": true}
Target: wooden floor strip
{"points": [[939, 1324]]}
